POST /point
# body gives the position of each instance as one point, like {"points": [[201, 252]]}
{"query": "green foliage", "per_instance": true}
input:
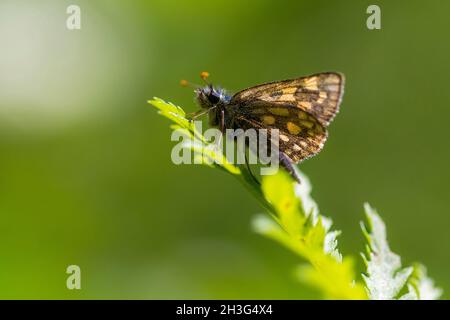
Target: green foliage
{"points": [[195, 140], [385, 278], [306, 234], [295, 222]]}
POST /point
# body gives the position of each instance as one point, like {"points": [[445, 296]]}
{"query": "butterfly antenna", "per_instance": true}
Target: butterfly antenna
{"points": [[205, 75], [185, 83]]}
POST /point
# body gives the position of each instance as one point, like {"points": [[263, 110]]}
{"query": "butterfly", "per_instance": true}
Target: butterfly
{"points": [[301, 109]]}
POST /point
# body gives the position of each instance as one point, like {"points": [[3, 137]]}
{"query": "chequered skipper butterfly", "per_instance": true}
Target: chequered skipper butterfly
{"points": [[301, 109]]}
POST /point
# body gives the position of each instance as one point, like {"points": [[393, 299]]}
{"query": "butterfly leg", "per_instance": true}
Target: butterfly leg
{"points": [[222, 128], [222, 121], [287, 164], [218, 141], [194, 115], [249, 170]]}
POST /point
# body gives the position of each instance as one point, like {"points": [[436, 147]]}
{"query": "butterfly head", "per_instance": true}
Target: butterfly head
{"points": [[209, 96]]}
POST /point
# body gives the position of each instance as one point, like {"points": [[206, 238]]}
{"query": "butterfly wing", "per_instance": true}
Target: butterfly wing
{"points": [[300, 135], [300, 109], [319, 95]]}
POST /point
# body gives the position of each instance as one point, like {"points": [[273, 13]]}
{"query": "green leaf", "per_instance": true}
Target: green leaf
{"points": [[422, 285], [334, 279], [207, 152], [279, 191], [385, 278], [302, 230], [295, 222]]}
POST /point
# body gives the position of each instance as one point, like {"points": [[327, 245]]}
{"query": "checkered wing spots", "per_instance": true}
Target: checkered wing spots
{"points": [[318, 95], [300, 135]]}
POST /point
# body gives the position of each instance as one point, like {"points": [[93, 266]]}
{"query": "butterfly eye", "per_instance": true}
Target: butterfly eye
{"points": [[213, 98]]}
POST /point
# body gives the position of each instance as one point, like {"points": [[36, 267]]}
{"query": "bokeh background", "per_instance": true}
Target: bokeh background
{"points": [[85, 170]]}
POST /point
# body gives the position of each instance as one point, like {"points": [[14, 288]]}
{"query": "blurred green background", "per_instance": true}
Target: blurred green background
{"points": [[86, 176]]}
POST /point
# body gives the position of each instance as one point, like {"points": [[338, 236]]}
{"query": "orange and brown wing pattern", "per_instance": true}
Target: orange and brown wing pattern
{"points": [[300, 135], [319, 95]]}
